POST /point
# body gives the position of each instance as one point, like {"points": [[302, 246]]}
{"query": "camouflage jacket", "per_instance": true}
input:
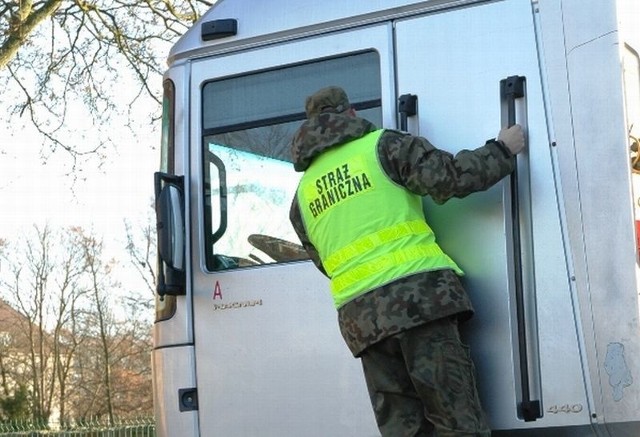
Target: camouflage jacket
{"points": [[425, 170]]}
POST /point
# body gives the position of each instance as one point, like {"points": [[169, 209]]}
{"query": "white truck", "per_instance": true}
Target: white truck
{"points": [[246, 341]]}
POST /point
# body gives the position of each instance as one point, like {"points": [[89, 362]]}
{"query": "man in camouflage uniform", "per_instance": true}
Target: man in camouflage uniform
{"points": [[419, 374]]}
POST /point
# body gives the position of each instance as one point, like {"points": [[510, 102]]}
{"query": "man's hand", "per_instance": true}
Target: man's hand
{"points": [[513, 138]]}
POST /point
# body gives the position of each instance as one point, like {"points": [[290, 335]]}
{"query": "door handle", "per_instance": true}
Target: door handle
{"points": [[513, 88], [222, 181]]}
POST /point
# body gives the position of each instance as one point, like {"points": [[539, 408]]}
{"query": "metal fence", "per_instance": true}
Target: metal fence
{"points": [[140, 427]]}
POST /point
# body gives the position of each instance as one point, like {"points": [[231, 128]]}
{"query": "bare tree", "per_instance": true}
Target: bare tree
{"points": [[39, 267], [99, 282], [131, 369], [55, 53], [82, 352], [141, 247], [67, 336], [44, 289], [116, 372]]}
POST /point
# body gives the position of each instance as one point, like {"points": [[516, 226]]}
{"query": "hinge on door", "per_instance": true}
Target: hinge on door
{"points": [[188, 399]]}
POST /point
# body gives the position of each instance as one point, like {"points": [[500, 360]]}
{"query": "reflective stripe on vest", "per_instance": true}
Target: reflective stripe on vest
{"points": [[361, 255], [373, 240]]}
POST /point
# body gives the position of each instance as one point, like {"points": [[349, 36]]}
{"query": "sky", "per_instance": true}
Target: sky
{"points": [[39, 191], [41, 187], [36, 187]]}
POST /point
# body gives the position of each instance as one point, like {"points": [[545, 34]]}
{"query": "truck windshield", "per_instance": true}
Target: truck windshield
{"points": [[248, 123]]}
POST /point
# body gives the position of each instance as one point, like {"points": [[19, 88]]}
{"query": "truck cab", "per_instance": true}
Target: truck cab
{"points": [[246, 340]]}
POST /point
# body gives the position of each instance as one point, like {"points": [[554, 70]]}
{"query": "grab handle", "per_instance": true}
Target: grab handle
{"points": [[513, 88]]}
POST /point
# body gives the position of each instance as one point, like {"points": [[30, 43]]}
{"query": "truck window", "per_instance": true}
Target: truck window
{"points": [[248, 122]]}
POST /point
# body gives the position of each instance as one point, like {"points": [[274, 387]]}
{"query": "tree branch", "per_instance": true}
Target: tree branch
{"points": [[22, 25]]}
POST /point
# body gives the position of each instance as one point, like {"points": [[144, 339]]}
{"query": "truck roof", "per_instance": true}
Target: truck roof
{"points": [[259, 22]]}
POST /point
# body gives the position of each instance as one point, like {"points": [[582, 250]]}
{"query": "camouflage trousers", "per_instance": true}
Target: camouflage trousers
{"points": [[421, 383]]}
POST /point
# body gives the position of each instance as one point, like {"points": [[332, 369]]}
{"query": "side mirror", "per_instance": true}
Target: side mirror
{"points": [[171, 234], [170, 226]]}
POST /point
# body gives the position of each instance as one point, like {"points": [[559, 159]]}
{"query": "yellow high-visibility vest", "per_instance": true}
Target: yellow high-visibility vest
{"points": [[361, 250]]}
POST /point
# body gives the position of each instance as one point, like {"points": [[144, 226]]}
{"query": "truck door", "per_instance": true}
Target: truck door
{"points": [[454, 63], [269, 356]]}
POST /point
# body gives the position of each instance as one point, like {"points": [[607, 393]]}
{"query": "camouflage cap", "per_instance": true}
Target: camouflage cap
{"points": [[330, 99]]}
